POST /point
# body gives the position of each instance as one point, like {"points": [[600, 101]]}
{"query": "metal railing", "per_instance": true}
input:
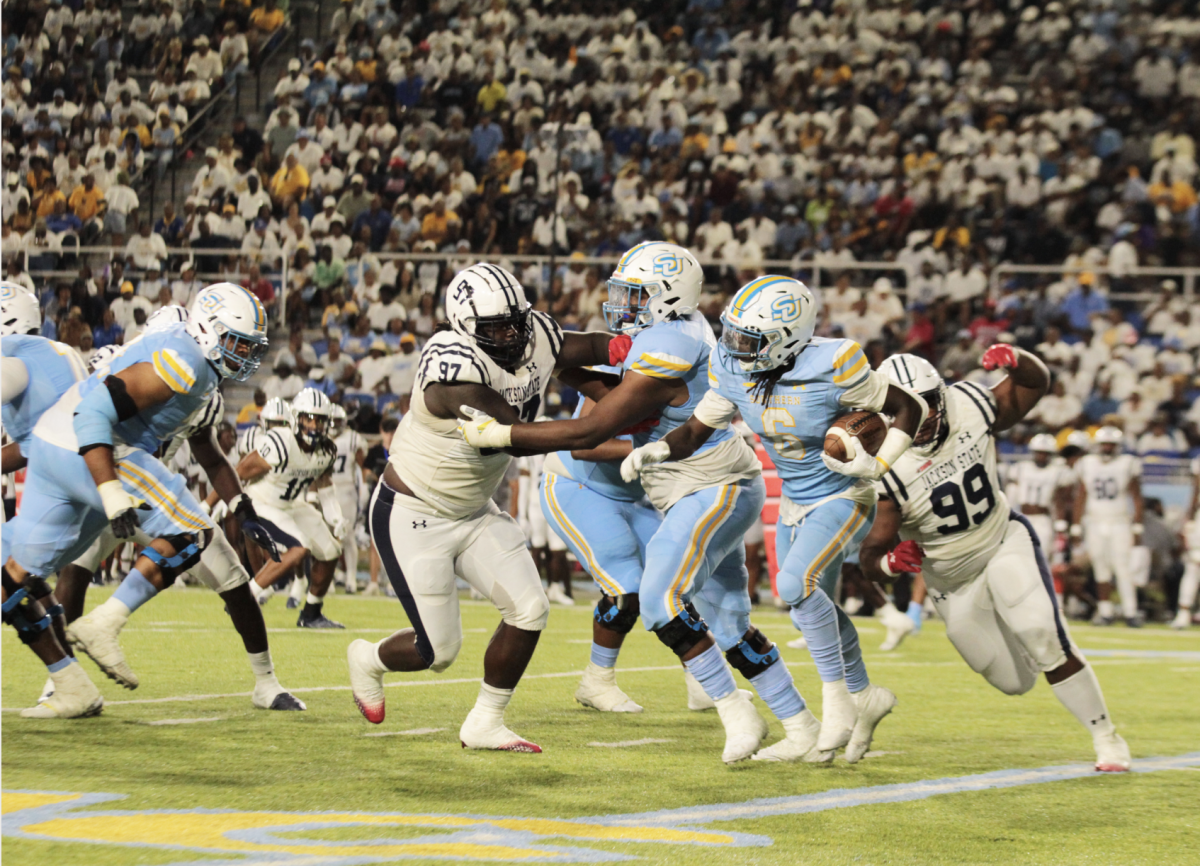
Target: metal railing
{"points": [[1140, 276]]}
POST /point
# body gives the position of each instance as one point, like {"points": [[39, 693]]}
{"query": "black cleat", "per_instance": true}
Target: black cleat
{"points": [[318, 620], [292, 603], [1133, 622], [287, 701]]}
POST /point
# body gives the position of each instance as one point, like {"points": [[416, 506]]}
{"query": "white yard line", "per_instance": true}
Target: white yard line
{"points": [[185, 721], [415, 732], [625, 744]]}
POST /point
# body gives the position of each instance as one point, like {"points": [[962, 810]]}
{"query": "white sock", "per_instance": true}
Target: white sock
{"points": [[260, 592], [801, 723], [312, 599], [1080, 693], [298, 587], [1188, 586], [1106, 609], [264, 671], [491, 703], [115, 611], [1128, 596], [888, 609]]}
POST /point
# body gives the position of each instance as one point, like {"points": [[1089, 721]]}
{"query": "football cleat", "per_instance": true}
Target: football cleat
{"points": [[275, 697], [292, 603], [1183, 619], [874, 702], [598, 689], [838, 716], [318, 620], [1133, 622], [99, 640], [798, 643], [898, 626], [698, 700], [558, 595], [1112, 754], [75, 697], [366, 679], [745, 729], [801, 738], [480, 733], [372, 589], [47, 691], [1102, 620]]}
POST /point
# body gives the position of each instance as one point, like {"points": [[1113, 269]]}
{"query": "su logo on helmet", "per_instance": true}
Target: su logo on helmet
{"points": [[668, 265], [784, 309]]}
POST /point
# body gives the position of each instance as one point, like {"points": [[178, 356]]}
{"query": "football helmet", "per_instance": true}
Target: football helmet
{"points": [[20, 312], [172, 314], [230, 324], [487, 304], [1041, 447], [917, 374], [1078, 439], [653, 282], [1108, 441], [313, 412], [337, 422], [276, 413], [768, 322]]}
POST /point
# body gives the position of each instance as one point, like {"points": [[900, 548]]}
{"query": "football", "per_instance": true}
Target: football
{"points": [[869, 427]]}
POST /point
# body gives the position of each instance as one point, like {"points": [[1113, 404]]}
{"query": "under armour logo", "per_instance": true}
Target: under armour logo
{"points": [[939, 596], [418, 524], [964, 438], [1103, 716]]}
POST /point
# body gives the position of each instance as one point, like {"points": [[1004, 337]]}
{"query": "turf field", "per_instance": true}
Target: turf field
{"points": [[184, 770]]}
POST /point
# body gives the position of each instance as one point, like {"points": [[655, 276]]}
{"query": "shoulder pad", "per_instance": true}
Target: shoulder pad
{"points": [[664, 352], [451, 361], [980, 398], [173, 368], [545, 328]]}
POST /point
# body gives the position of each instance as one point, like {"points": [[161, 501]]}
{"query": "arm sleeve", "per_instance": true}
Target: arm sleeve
{"points": [[15, 379], [868, 393]]}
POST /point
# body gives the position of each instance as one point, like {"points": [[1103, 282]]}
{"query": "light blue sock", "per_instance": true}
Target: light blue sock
{"points": [[604, 657], [916, 612], [816, 616], [135, 590], [775, 687], [711, 672], [60, 664], [856, 669]]}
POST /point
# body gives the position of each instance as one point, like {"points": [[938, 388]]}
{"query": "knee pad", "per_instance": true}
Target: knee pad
{"points": [[22, 610], [753, 654], [684, 631], [618, 614], [219, 567], [187, 553]]}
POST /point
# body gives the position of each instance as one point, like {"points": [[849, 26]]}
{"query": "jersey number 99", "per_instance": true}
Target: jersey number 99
{"points": [[947, 500]]}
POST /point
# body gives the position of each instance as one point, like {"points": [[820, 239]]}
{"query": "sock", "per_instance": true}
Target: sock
{"points": [[1188, 586], [712, 673], [1080, 693], [60, 664], [491, 702], [778, 691], [856, 668], [309, 598], [259, 592], [604, 657], [133, 592], [1128, 592], [1106, 609], [817, 617], [915, 613], [887, 608], [264, 671]]}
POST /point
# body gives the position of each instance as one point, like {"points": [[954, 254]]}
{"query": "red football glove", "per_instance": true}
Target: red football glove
{"points": [[644, 426], [1000, 355], [906, 558], [618, 348]]}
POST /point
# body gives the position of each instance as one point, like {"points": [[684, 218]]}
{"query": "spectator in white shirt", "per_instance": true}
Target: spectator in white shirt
{"points": [[124, 306], [374, 368], [205, 62], [146, 248], [283, 382], [1162, 439], [714, 234], [381, 312], [1057, 409]]}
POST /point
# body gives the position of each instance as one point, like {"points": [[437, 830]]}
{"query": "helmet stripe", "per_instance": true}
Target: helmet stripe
{"points": [[752, 289], [260, 315]]}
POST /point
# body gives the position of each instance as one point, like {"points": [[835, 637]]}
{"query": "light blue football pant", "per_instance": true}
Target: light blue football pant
{"points": [[810, 556], [607, 536], [61, 512], [698, 556]]}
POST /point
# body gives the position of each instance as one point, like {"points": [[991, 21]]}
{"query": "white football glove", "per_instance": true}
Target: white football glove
{"points": [[640, 458], [482, 430], [338, 527], [864, 464]]}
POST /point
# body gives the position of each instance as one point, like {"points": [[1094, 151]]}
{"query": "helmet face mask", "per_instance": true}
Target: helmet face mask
{"points": [[767, 324], [627, 310], [230, 324], [917, 375], [276, 413], [337, 424], [1108, 442], [1043, 446], [313, 413], [487, 304], [931, 430], [505, 338], [311, 428], [653, 282], [746, 346]]}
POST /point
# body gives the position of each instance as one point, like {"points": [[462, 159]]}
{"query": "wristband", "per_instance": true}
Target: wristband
{"points": [[1060, 526], [1137, 528], [894, 444], [1076, 530], [885, 568], [114, 498]]}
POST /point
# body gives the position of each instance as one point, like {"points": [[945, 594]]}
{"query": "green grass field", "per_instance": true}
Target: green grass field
{"points": [[393, 793]]}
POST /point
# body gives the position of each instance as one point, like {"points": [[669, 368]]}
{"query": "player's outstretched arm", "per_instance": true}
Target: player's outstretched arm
{"points": [[446, 401], [1027, 382], [592, 349], [884, 535], [613, 449]]}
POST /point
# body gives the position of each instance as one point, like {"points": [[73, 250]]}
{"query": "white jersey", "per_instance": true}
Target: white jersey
{"points": [[293, 470], [950, 500], [1196, 474], [449, 477], [347, 474], [1033, 485], [1107, 485], [248, 440]]}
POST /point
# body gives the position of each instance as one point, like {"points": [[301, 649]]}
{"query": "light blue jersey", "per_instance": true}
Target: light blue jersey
{"points": [[678, 349], [603, 476], [803, 405], [180, 363], [53, 368]]}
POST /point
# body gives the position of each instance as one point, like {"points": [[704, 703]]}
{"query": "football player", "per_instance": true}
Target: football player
{"points": [[286, 464], [431, 516], [790, 387], [348, 487], [275, 413], [36, 372], [91, 466], [1108, 494], [982, 561], [708, 500], [1040, 488], [1191, 561]]}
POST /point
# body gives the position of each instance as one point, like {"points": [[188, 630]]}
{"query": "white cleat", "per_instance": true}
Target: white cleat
{"points": [[839, 714], [366, 679], [874, 702], [698, 700], [598, 689], [1112, 754], [47, 691], [898, 626], [798, 643], [75, 697], [799, 742], [478, 732], [98, 639], [557, 595], [1183, 619], [372, 589], [745, 729]]}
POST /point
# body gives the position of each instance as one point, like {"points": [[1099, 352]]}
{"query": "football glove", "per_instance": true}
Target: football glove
{"points": [[481, 430], [640, 458], [1000, 356], [121, 508], [864, 464], [905, 558], [618, 349]]}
